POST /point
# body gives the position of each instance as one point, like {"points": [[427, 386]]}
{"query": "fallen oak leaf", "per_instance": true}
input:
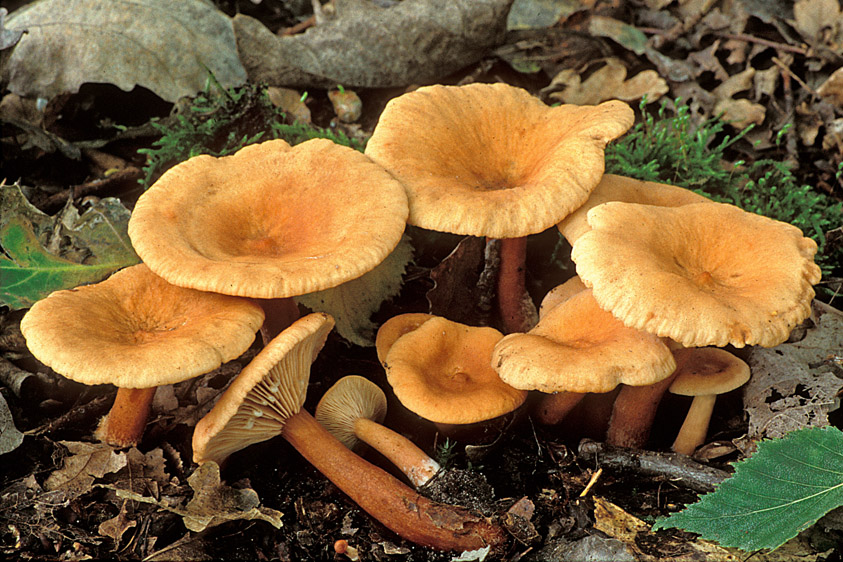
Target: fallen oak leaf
{"points": [[86, 463], [607, 82]]}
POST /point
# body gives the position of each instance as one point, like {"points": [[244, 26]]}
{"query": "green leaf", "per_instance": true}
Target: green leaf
{"points": [[353, 303], [780, 491], [41, 254]]}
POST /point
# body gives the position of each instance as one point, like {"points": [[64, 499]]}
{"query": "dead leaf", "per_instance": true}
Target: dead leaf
{"points": [[538, 14], [811, 17], [143, 473], [10, 437], [86, 463], [353, 302], [117, 526], [793, 385], [456, 291], [142, 43], [367, 46], [833, 88], [608, 82], [738, 112]]}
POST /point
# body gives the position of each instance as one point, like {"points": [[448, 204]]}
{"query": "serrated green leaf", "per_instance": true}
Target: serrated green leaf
{"points": [[83, 248], [783, 489], [353, 303]]}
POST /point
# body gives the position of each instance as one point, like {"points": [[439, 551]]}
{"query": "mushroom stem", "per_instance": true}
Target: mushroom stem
{"points": [[695, 427], [279, 314], [552, 408], [125, 422], [633, 413], [517, 310], [382, 496], [403, 453]]}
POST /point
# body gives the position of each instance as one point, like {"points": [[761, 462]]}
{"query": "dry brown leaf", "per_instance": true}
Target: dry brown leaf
{"points": [[793, 385], [86, 463], [811, 17], [144, 42], [10, 437], [366, 46], [608, 82], [832, 89], [738, 112], [117, 526], [456, 290]]}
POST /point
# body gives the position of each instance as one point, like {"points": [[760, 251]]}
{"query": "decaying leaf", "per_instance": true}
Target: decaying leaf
{"points": [[213, 503], [85, 463], [40, 254], [353, 303], [833, 88], [141, 43], [118, 525], [793, 385], [457, 290], [608, 82], [10, 437], [365, 45]]}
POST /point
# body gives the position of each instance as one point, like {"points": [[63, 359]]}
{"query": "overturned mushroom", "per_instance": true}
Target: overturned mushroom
{"points": [[136, 331], [353, 409], [491, 160], [265, 400]]}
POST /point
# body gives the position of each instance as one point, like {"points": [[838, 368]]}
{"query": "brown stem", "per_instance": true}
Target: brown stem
{"points": [[279, 314], [403, 453], [633, 413], [695, 427], [382, 496], [552, 408], [517, 310], [125, 422]]}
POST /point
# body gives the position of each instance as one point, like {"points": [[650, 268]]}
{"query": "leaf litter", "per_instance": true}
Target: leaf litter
{"points": [[704, 52]]}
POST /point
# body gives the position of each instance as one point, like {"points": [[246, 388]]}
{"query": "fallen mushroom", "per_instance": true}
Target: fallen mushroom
{"points": [[703, 373], [136, 331], [491, 160], [577, 348], [353, 409], [270, 222], [442, 372], [265, 400]]}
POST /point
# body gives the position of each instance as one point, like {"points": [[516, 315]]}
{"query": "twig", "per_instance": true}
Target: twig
{"points": [[76, 415], [790, 73], [765, 42], [678, 468], [58, 199]]}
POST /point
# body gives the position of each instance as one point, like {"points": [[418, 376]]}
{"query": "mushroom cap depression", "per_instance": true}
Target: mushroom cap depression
{"points": [[271, 220], [265, 394], [628, 190], [491, 159], [135, 330], [442, 371], [707, 370], [350, 398], [579, 347], [700, 274]]}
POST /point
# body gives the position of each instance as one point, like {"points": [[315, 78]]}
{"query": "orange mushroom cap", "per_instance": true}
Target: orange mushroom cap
{"points": [[700, 274], [628, 190], [442, 372], [271, 220], [135, 330], [492, 160], [396, 327], [578, 347], [561, 293]]}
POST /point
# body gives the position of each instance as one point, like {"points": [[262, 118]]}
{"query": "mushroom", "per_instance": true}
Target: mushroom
{"points": [[396, 327], [353, 409], [703, 373], [491, 160], [136, 331], [577, 348], [270, 222], [629, 190], [561, 293], [442, 372], [265, 400], [700, 274]]}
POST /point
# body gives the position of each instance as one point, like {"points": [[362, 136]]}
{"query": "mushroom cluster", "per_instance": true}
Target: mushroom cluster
{"points": [[664, 277]]}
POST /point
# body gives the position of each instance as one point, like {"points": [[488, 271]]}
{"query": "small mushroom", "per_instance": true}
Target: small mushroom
{"points": [[136, 331], [492, 160], [270, 222], [442, 372], [703, 373], [577, 348], [265, 400], [353, 409]]}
